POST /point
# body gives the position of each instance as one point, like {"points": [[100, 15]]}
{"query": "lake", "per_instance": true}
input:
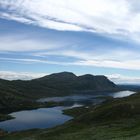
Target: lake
{"points": [[51, 117], [87, 99], [37, 118]]}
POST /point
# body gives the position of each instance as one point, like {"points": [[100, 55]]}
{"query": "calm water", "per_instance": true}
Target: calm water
{"points": [[51, 117], [39, 118], [122, 94], [85, 99]]}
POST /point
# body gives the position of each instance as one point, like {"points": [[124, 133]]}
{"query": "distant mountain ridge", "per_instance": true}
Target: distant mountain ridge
{"points": [[18, 94], [69, 82], [58, 84]]}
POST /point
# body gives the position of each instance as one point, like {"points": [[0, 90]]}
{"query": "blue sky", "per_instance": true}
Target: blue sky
{"points": [[43, 37]]}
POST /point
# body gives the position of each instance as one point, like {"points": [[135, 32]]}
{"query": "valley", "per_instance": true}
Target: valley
{"points": [[77, 107]]}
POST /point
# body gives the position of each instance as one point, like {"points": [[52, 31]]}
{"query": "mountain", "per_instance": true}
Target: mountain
{"points": [[58, 84], [17, 95], [69, 81]]}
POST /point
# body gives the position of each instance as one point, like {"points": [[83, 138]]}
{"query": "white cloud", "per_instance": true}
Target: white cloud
{"points": [[119, 17], [10, 75], [117, 78], [99, 54], [121, 79], [111, 58], [108, 63], [26, 43]]}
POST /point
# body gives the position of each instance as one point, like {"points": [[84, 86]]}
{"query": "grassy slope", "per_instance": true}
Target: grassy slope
{"points": [[115, 120]]}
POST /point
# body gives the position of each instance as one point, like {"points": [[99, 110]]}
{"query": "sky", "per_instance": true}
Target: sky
{"points": [[99, 37]]}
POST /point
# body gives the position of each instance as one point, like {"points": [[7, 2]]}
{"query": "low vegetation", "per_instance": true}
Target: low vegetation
{"points": [[118, 119]]}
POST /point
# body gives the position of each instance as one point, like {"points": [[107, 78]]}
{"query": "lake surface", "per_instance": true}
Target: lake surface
{"points": [[122, 94], [38, 118], [51, 117], [87, 99]]}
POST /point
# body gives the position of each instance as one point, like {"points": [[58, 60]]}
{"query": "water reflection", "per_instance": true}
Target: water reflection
{"points": [[50, 117], [39, 118], [87, 99], [122, 94]]}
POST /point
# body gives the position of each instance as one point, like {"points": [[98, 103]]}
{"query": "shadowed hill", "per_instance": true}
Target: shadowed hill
{"points": [[58, 84], [70, 82]]}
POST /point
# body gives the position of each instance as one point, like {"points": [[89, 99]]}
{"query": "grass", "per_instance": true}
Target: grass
{"points": [[4, 117], [113, 131], [118, 119]]}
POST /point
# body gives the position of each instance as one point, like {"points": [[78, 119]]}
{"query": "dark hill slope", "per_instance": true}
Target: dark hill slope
{"points": [[59, 84], [12, 99], [69, 81]]}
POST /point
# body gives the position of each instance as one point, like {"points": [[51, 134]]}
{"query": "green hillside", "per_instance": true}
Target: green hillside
{"points": [[115, 120]]}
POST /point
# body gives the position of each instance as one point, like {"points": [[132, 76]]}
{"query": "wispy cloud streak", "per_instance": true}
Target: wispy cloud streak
{"points": [[90, 15]]}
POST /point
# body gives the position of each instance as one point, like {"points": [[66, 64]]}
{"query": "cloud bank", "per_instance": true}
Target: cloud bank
{"points": [[10, 75], [121, 79]]}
